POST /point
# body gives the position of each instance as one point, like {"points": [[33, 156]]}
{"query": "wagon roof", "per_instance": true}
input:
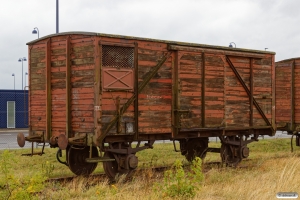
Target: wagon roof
{"points": [[149, 39], [289, 59]]}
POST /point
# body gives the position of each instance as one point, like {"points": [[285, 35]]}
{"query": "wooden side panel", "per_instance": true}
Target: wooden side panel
{"points": [[297, 91], [210, 93], [190, 86], [262, 89], [155, 101], [81, 62], [214, 91], [283, 92], [58, 85], [237, 104], [288, 94], [37, 70], [82, 56]]}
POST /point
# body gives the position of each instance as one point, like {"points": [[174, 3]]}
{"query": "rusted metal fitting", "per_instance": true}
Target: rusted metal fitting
{"points": [[62, 141], [21, 139], [79, 139]]}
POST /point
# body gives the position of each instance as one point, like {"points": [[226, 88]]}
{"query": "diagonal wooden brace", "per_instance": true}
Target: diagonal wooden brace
{"points": [[248, 91]]}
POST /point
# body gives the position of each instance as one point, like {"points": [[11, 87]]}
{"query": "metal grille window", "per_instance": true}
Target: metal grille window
{"points": [[11, 114], [117, 56]]}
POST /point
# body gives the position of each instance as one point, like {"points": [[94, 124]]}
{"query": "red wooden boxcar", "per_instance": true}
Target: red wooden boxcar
{"points": [[92, 91], [288, 96]]}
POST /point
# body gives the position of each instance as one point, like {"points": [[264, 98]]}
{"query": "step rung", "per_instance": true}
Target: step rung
{"points": [[32, 154], [98, 159]]}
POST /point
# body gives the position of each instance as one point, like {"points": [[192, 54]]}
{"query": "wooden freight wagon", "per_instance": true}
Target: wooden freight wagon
{"points": [[288, 96], [92, 91]]}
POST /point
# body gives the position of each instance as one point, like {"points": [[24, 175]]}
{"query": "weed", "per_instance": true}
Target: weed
{"points": [[178, 183], [47, 169]]}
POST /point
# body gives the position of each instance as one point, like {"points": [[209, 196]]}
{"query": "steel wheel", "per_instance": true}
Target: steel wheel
{"points": [[76, 160], [228, 157], [111, 168], [196, 148]]}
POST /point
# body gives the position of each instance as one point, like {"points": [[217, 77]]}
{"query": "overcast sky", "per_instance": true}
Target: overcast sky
{"points": [[252, 24]]}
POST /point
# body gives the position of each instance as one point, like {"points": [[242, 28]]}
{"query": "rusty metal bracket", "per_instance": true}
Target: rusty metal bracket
{"points": [[175, 149], [127, 104], [129, 150], [179, 114], [36, 138], [248, 91]]}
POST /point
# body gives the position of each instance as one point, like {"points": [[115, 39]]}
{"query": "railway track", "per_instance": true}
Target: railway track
{"points": [[102, 176], [155, 172]]}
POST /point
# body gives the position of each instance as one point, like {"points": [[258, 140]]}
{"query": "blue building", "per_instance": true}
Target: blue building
{"points": [[13, 108]]}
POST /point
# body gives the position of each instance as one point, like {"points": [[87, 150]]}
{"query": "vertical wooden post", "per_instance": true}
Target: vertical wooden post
{"points": [[48, 91], [273, 93], [29, 89], [203, 92], [136, 92], [176, 102], [251, 92], [97, 90], [68, 88], [293, 97]]}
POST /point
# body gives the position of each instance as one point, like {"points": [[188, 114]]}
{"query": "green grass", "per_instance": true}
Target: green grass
{"points": [[270, 167]]}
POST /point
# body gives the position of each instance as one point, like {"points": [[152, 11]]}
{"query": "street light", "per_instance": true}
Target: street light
{"points": [[25, 78], [21, 60], [36, 31], [230, 44], [57, 17], [14, 80]]}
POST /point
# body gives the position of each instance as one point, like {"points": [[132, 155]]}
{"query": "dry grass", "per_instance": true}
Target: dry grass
{"points": [[270, 169]]}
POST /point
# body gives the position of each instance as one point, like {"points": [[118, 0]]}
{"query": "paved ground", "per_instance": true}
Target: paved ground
{"points": [[8, 138]]}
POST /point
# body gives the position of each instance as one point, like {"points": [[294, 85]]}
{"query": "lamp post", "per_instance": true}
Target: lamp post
{"points": [[230, 44], [14, 80], [21, 60], [25, 78], [36, 31], [57, 17]]}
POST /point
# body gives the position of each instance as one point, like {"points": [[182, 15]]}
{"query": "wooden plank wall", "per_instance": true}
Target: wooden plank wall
{"points": [[190, 87], [37, 87], [214, 91], [237, 103], [262, 89], [155, 101], [82, 83], [226, 102], [297, 91], [283, 91], [58, 85]]}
